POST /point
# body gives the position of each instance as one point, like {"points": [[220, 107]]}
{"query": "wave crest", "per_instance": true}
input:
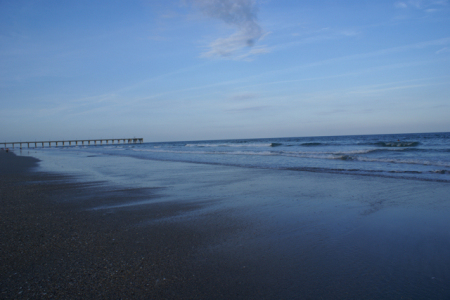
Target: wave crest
{"points": [[275, 144], [397, 144]]}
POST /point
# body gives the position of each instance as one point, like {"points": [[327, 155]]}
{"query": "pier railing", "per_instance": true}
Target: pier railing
{"points": [[75, 142]]}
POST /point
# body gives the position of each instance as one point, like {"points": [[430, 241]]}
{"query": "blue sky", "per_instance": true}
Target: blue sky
{"points": [[218, 69]]}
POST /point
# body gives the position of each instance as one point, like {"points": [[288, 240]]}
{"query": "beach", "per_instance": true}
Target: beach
{"points": [[82, 226]]}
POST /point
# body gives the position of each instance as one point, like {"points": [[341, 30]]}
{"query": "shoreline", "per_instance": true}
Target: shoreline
{"points": [[54, 247], [186, 231]]}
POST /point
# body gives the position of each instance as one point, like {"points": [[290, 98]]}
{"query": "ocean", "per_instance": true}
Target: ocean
{"points": [[419, 156]]}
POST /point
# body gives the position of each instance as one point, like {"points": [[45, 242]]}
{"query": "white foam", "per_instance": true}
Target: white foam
{"points": [[230, 145]]}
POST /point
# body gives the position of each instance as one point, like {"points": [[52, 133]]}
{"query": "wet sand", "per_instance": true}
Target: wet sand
{"points": [[52, 247], [219, 232]]}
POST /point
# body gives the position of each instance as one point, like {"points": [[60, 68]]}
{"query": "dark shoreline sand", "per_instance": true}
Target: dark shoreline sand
{"points": [[52, 247], [276, 235]]}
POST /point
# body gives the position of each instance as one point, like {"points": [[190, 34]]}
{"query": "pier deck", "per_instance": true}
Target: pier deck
{"points": [[75, 142]]}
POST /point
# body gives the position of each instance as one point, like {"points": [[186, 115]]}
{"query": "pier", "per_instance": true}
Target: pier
{"points": [[76, 142]]}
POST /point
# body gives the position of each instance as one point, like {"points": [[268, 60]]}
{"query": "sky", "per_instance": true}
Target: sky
{"points": [[222, 69]]}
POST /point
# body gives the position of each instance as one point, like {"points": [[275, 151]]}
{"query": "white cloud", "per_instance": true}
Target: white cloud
{"points": [[415, 3], [401, 5], [440, 2], [349, 32], [443, 50], [229, 46], [421, 4], [240, 14]]}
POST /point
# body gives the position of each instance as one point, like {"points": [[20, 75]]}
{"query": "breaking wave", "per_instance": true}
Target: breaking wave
{"points": [[311, 144], [344, 156], [397, 144]]}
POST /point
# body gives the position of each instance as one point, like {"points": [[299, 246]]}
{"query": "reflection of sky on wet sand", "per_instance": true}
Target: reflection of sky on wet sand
{"points": [[298, 234]]}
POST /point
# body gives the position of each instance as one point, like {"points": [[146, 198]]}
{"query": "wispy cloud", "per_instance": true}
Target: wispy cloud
{"points": [[379, 89], [248, 96], [248, 109], [243, 97], [427, 5], [314, 37], [443, 50], [440, 2], [240, 14], [401, 5]]}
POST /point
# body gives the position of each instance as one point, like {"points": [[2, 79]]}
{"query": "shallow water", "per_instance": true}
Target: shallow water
{"points": [[424, 156]]}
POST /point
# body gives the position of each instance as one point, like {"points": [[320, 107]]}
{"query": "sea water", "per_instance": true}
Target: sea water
{"points": [[420, 156]]}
